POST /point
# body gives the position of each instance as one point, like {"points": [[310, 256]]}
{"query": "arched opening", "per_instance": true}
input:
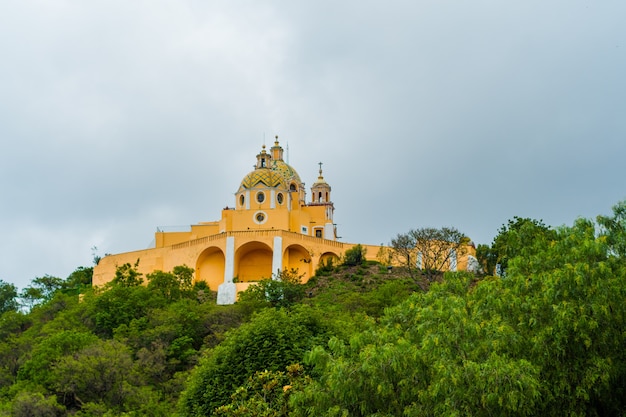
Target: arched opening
{"points": [[253, 262], [210, 267], [297, 257], [329, 258]]}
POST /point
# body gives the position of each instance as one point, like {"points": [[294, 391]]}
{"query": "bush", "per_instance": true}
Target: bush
{"points": [[354, 256]]}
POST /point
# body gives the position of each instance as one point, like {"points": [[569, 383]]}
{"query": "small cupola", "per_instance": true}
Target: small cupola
{"points": [[321, 189], [263, 160]]}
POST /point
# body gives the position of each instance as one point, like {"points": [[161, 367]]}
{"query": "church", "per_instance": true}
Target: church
{"points": [[272, 227]]}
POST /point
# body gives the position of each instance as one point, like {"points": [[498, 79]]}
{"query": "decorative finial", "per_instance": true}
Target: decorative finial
{"points": [[320, 164]]}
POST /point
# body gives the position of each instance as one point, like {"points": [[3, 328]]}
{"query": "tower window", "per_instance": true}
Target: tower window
{"points": [[260, 197], [318, 232], [242, 200], [262, 162], [292, 187], [279, 198]]}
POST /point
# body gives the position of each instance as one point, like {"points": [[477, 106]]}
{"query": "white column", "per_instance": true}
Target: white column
{"points": [[277, 258], [272, 198], [227, 292], [329, 231], [453, 264], [247, 199], [229, 267]]}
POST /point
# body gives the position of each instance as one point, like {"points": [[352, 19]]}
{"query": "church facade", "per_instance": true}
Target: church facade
{"points": [[272, 227]]}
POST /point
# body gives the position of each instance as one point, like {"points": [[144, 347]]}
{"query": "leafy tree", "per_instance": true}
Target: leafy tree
{"points": [[614, 229], [103, 376], [127, 275], [120, 305], [8, 295], [517, 238], [79, 278], [283, 291], [35, 404], [41, 290], [354, 256], [46, 354], [272, 340], [172, 285], [487, 259], [547, 340], [265, 394], [429, 249]]}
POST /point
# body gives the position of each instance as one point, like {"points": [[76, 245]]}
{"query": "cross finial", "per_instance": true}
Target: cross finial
{"points": [[320, 164]]}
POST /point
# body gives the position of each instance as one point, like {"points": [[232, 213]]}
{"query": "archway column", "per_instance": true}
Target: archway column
{"points": [[227, 292], [277, 256]]}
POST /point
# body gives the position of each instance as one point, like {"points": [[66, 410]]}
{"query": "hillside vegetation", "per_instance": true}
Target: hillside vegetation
{"points": [[546, 337]]}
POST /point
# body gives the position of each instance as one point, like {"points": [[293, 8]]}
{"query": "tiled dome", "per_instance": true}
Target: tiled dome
{"points": [[266, 176], [286, 171]]}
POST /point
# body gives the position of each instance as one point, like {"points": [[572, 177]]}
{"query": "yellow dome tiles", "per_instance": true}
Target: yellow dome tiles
{"points": [[287, 172], [265, 176]]}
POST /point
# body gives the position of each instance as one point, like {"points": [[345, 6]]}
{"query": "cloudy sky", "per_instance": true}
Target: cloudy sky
{"points": [[121, 116]]}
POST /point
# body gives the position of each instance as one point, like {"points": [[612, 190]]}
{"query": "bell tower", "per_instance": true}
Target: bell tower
{"points": [[321, 190]]}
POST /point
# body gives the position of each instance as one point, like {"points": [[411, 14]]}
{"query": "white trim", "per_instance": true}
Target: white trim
{"points": [[229, 266], [277, 256]]}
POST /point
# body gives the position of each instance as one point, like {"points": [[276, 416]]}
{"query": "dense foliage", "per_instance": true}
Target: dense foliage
{"points": [[546, 337]]}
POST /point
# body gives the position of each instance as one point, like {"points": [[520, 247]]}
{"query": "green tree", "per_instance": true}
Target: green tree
{"points": [[8, 296], [487, 259], [428, 249], [127, 275], [272, 340], [97, 373], [80, 278], [613, 228], [49, 351], [284, 290], [265, 394], [355, 256], [519, 237], [547, 340], [172, 285], [35, 404]]}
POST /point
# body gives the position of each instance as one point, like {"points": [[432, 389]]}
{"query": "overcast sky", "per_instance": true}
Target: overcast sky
{"points": [[121, 116]]}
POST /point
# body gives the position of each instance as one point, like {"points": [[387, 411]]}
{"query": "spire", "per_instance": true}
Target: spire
{"points": [[321, 190], [276, 150], [263, 159]]}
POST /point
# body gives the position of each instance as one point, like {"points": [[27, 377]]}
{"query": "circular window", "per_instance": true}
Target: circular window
{"points": [[242, 200], [260, 217], [279, 198], [260, 197]]}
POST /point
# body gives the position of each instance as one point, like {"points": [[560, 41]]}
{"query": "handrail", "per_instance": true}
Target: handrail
{"points": [[254, 233]]}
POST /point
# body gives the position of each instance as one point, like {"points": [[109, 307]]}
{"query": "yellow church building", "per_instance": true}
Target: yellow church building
{"points": [[271, 228]]}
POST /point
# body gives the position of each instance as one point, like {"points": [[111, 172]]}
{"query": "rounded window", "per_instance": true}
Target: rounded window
{"points": [[279, 198], [242, 200], [260, 217], [260, 197]]}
